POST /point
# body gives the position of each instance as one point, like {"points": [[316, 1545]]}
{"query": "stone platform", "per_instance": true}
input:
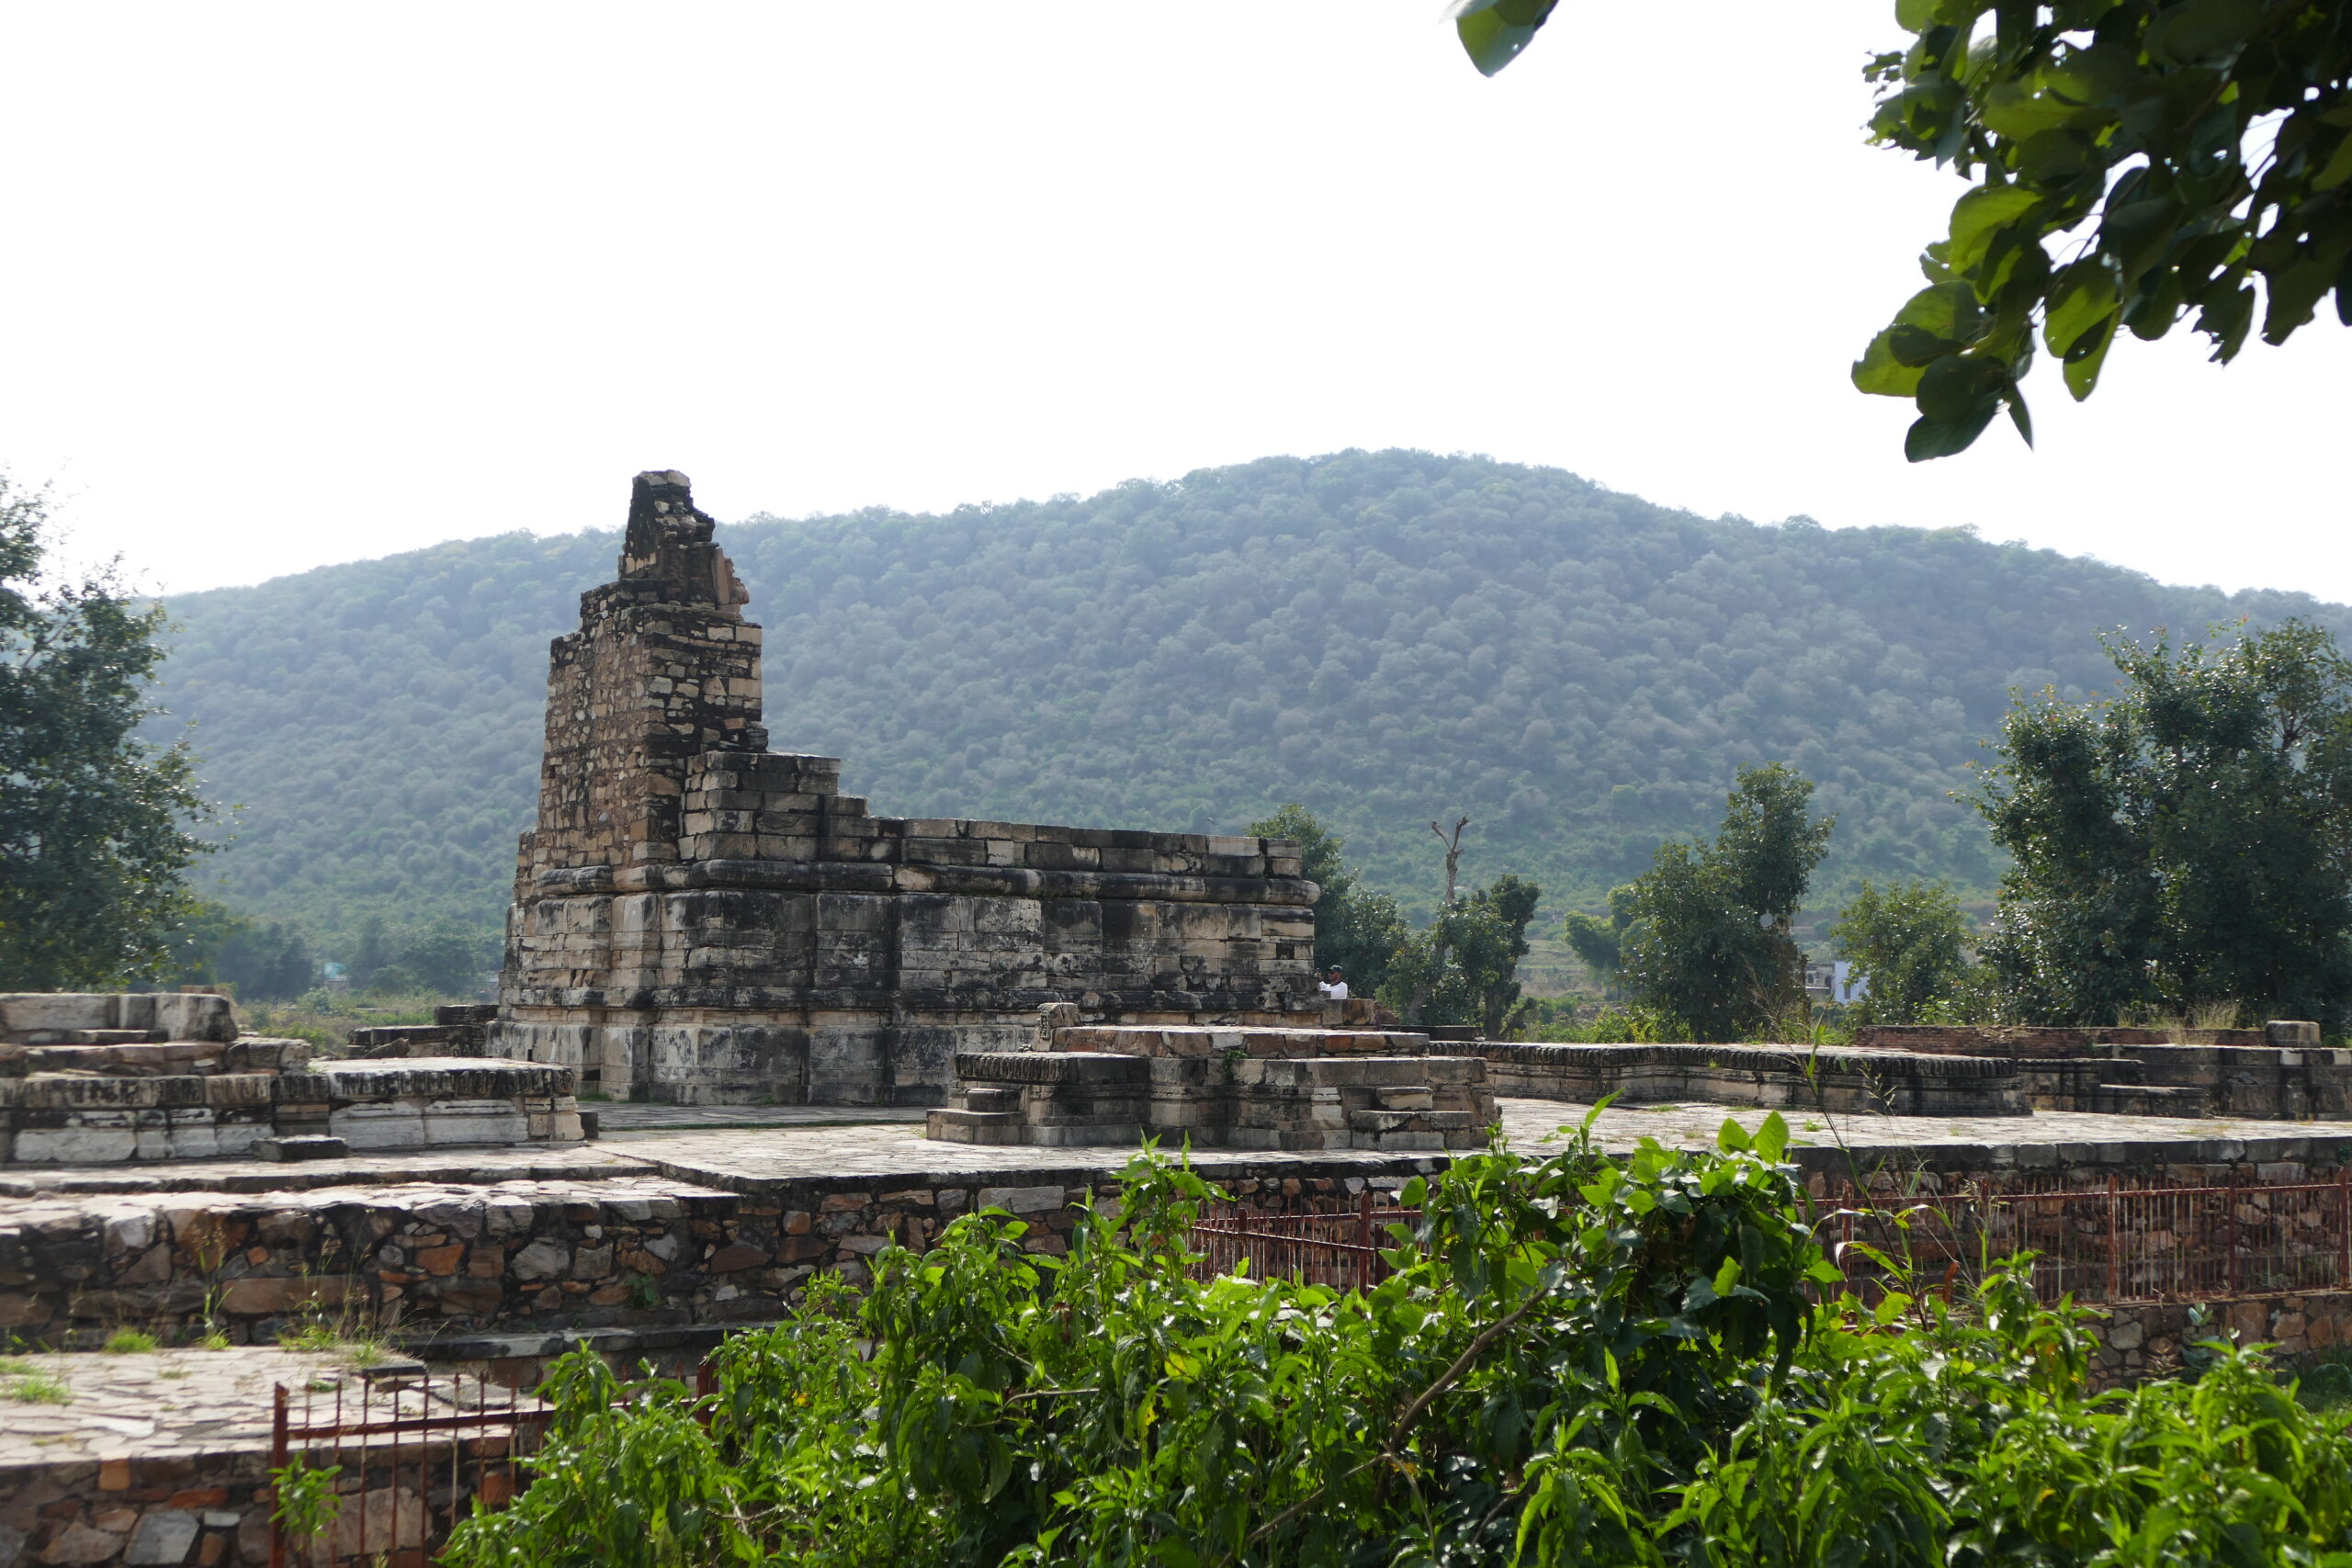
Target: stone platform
{"points": [[1833, 1078], [1213, 1087], [107, 1104]]}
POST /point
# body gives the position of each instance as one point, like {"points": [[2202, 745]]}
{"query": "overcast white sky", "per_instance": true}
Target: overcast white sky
{"points": [[296, 283]]}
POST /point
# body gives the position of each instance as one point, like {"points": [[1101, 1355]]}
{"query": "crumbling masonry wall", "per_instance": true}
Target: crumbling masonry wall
{"points": [[698, 920]]}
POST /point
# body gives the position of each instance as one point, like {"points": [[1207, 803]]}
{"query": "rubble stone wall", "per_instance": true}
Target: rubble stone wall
{"points": [[428, 1262]]}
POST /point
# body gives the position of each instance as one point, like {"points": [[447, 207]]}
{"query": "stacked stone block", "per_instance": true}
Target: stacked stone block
{"points": [[1833, 1078], [1211, 1087], [212, 1097], [2278, 1070], [700, 921]]}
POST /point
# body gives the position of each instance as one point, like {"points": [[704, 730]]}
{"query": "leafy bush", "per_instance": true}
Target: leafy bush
{"points": [[1581, 1361]]}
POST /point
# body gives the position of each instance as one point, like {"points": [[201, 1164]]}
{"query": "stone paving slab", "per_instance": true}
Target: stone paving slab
{"points": [[763, 1159], [568, 1162], [159, 1403], [630, 1118], [509, 1204], [2044, 1138]]}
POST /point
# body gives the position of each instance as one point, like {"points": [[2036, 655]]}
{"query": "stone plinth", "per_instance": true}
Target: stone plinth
{"points": [[1829, 1078], [700, 921], [2281, 1069], [1237, 1089], [202, 1098], [113, 1018]]}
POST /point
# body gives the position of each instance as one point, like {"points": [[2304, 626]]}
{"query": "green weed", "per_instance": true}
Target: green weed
{"points": [[40, 1388], [128, 1342]]}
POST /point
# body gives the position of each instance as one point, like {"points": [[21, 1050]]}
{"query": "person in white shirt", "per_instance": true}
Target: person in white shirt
{"points": [[1334, 986]]}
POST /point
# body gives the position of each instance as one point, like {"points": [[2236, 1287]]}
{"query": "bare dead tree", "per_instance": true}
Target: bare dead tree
{"points": [[1453, 866]]}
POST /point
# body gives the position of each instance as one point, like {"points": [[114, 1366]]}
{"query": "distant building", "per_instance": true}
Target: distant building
{"points": [[1834, 981]]}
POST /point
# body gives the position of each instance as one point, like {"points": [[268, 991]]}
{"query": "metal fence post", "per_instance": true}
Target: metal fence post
{"points": [[277, 1463], [2114, 1245]]}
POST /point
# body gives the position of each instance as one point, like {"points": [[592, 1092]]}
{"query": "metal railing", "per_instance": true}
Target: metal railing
{"points": [[1339, 1247], [2124, 1242], [411, 1453]]}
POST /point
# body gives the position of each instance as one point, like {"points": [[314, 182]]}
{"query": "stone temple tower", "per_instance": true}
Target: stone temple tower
{"points": [[699, 920]]}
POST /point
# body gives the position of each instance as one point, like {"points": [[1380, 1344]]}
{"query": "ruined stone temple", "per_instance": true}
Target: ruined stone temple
{"points": [[700, 919]]}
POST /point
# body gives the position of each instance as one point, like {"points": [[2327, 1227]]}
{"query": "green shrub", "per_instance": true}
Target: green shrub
{"points": [[1583, 1361]]}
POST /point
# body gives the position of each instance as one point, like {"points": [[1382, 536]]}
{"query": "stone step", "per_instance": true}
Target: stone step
{"points": [[1386, 1121], [305, 1147], [1405, 1099], [953, 1126], [990, 1097]]}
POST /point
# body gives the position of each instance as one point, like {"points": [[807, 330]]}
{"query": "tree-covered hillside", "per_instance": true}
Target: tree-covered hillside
{"points": [[1386, 637]]}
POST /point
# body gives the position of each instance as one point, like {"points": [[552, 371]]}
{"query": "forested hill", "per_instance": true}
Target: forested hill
{"points": [[1387, 637]]}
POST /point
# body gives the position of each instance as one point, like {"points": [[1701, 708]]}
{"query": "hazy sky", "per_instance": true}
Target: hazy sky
{"points": [[296, 283]]}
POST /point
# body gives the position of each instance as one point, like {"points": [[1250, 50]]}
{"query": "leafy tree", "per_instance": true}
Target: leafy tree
{"points": [[1709, 944], [215, 945], [1356, 932], [1464, 967], [445, 960], [96, 838], [2185, 843], [373, 954], [1909, 940], [2173, 151], [1600, 941]]}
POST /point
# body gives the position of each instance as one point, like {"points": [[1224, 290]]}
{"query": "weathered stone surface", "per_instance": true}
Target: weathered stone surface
{"points": [[161, 1537], [1247, 1088], [1830, 1079], [700, 921]]}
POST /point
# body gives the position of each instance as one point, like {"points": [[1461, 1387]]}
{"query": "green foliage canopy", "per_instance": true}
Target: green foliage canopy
{"points": [[2173, 151], [1356, 931], [2177, 151], [96, 824], [2185, 843], [1708, 947], [1464, 967], [1909, 940], [1578, 1361], [1382, 634]]}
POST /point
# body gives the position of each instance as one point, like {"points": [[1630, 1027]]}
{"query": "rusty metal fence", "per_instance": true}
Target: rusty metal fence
{"points": [[406, 1454], [1336, 1246], [2124, 1242]]}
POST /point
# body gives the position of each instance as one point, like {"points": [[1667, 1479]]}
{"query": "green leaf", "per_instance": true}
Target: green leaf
{"points": [[1771, 1142], [1977, 216], [2202, 30], [1493, 32], [2014, 109], [2337, 169], [1879, 372], [2083, 300], [1947, 310], [1945, 437], [2083, 361], [1958, 387], [1731, 1135]]}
